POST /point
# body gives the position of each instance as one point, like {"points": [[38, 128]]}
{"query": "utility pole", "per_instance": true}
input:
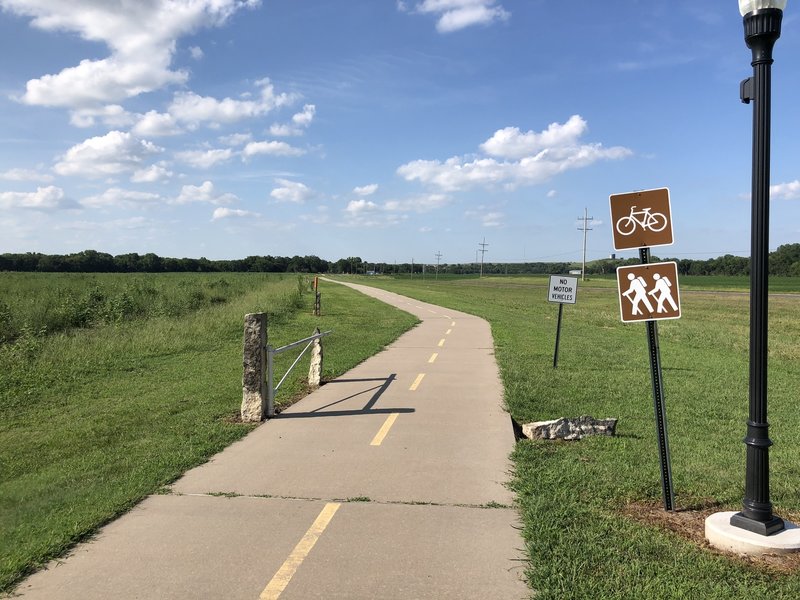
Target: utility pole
{"points": [[585, 228], [483, 251], [438, 256], [412, 268]]}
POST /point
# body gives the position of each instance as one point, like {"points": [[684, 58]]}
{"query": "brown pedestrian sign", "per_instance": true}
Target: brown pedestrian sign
{"points": [[649, 292], [641, 219]]}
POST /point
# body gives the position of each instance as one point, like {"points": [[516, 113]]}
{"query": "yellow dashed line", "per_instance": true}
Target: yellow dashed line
{"points": [[453, 324], [441, 343], [284, 575], [416, 383], [433, 357], [387, 425], [448, 332]]}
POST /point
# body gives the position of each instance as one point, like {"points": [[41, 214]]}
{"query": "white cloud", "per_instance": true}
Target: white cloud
{"points": [[101, 81], [535, 158], [304, 118], [227, 213], [492, 219], [25, 175], [141, 37], [236, 139], [196, 52], [366, 190], [194, 110], [117, 197], [420, 204], [486, 219], [284, 130], [204, 159], [111, 154], [271, 148], [44, 198], [365, 213], [359, 207], [291, 191], [156, 124], [458, 14], [552, 194], [511, 143], [152, 174], [112, 115], [300, 122], [203, 193], [785, 191]]}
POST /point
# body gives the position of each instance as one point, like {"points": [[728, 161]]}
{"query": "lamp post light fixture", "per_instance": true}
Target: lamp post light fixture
{"points": [[762, 27]]}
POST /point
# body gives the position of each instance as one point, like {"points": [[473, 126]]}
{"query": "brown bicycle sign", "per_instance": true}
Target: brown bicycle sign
{"points": [[641, 219]]}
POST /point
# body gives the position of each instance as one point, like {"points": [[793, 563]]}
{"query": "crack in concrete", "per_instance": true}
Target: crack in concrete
{"points": [[352, 500]]}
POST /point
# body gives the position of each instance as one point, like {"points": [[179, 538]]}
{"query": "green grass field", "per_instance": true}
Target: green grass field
{"points": [[576, 498], [94, 419]]}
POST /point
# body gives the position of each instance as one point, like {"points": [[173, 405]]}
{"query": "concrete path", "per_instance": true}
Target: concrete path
{"points": [[385, 483]]}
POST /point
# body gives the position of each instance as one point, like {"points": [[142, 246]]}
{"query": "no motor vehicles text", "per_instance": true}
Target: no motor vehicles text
{"points": [[562, 289]]}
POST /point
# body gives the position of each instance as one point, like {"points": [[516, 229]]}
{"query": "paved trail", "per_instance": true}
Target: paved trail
{"points": [[385, 483]]}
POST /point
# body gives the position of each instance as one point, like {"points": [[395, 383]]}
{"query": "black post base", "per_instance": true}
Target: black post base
{"points": [[774, 525]]}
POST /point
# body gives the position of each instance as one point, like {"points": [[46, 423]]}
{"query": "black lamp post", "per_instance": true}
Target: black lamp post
{"points": [[762, 27]]}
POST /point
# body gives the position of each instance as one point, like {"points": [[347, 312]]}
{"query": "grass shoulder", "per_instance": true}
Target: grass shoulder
{"points": [[93, 420], [582, 503]]}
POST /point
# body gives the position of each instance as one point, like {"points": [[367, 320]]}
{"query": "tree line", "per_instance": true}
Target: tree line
{"points": [[785, 261]]}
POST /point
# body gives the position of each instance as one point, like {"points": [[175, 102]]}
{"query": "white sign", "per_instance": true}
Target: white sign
{"points": [[563, 290]]}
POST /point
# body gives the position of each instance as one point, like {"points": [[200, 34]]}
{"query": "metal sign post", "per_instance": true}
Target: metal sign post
{"points": [[648, 292], [563, 290], [659, 405]]}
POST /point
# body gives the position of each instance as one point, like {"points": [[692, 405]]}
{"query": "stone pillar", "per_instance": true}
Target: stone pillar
{"points": [[315, 369], [254, 385]]}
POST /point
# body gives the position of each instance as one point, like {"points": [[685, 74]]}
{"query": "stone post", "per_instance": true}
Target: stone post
{"points": [[315, 369], [254, 385]]}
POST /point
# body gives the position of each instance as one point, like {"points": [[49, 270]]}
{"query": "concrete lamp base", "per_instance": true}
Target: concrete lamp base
{"points": [[724, 536]]}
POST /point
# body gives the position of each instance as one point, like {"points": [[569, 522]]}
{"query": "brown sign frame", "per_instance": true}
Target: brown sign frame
{"points": [[641, 219]]}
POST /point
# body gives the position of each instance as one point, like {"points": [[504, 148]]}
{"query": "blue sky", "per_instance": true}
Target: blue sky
{"points": [[381, 129]]}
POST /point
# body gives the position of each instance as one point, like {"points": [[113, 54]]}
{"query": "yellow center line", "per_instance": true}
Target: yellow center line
{"points": [[416, 383], [387, 425], [441, 343], [284, 575], [433, 357], [453, 324], [448, 332]]}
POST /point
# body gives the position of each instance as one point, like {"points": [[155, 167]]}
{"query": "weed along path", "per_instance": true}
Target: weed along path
{"points": [[388, 482]]}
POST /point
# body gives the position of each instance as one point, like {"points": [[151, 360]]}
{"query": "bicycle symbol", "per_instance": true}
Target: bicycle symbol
{"points": [[654, 221]]}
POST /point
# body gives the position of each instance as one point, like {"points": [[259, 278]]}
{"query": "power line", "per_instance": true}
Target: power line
{"points": [[438, 256]]}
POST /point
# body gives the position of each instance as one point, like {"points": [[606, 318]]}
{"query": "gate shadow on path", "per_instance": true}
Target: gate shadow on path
{"points": [[368, 408]]}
